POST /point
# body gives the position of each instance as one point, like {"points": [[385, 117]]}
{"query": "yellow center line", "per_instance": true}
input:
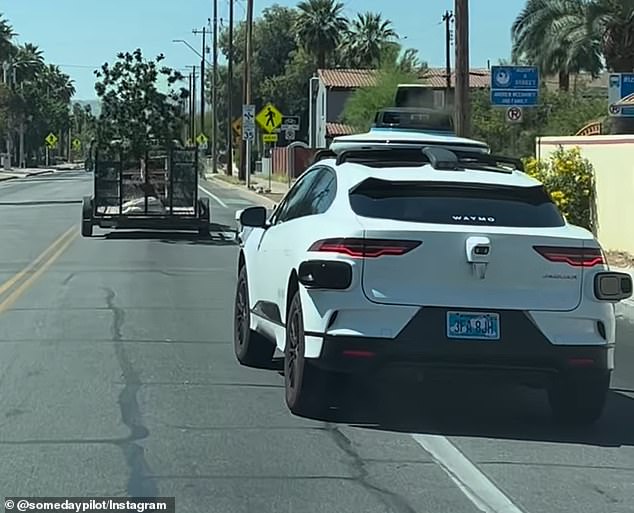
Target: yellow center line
{"points": [[26, 284], [29, 268]]}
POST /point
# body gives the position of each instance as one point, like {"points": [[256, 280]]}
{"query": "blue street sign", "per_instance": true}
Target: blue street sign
{"points": [[621, 85], [514, 86]]}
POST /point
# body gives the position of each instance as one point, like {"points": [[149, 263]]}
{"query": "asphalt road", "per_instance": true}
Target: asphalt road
{"points": [[117, 377]]}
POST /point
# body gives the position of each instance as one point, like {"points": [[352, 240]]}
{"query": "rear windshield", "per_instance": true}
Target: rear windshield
{"points": [[439, 203]]}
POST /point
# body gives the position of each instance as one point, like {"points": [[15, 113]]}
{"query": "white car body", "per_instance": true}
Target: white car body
{"points": [[548, 311]]}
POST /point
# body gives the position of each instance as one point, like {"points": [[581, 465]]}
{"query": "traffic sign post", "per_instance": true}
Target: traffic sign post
{"points": [[248, 123], [289, 134], [621, 85], [290, 123], [269, 118], [51, 140], [514, 115], [514, 86], [202, 140]]}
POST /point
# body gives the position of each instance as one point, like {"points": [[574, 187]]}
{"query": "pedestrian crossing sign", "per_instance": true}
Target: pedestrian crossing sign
{"points": [[51, 140], [269, 118]]}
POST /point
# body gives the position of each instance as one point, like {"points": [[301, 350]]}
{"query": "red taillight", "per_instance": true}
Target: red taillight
{"points": [[365, 248], [576, 257]]}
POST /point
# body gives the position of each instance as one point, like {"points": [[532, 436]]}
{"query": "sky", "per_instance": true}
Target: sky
{"points": [[80, 36]]}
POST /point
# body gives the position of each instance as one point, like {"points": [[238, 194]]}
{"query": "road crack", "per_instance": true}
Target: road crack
{"points": [[391, 499], [140, 483]]}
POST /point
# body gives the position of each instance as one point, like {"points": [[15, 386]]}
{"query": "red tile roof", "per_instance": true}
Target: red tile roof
{"points": [[337, 129], [347, 78], [433, 77], [437, 78]]}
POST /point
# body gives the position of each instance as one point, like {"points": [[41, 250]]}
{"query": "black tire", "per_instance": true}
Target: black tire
{"points": [[578, 401], [251, 348], [86, 217], [205, 217], [307, 388]]}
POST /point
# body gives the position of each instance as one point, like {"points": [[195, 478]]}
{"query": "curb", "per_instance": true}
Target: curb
{"points": [[38, 173], [221, 183]]}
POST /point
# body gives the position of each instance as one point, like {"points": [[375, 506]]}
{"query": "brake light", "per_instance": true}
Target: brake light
{"points": [[365, 248], [576, 257]]}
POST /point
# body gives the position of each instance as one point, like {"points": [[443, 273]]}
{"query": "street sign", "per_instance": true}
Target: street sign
{"points": [[237, 127], [269, 138], [248, 122], [289, 133], [51, 140], [620, 86], [202, 139], [76, 144], [290, 123], [269, 118], [514, 86], [514, 114]]}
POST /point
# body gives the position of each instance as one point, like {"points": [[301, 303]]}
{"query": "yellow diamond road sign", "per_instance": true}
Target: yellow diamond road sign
{"points": [[51, 140], [269, 118], [76, 144], [202, 139], [237, 126]]}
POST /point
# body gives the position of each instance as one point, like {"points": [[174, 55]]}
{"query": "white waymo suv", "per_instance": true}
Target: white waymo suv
{"points": [[448, 259]]}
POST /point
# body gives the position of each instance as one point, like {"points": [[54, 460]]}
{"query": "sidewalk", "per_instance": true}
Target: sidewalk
{"points": [[260, 186], [24, 173]]}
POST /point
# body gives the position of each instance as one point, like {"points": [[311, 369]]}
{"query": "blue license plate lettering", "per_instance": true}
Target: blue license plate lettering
{"points": [[473, 325]]}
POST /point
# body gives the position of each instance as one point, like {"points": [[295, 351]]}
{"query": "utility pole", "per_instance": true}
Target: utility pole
{"points": [[448, 19], [230, 94], [202, 79], [190, 110], [214, 95], [463, 107], [247, 76], [194, 102]]}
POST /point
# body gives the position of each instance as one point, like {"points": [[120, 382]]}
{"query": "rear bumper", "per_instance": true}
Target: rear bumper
{"points": [[522, 354]]}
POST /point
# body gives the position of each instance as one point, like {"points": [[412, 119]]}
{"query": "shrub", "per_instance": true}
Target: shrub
{"points": [[569, 178]]}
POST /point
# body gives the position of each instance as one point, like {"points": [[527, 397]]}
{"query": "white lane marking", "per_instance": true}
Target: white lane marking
{"points": [[213, 197], [478, 488]]}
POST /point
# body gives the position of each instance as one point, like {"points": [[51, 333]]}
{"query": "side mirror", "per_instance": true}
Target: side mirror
{"points": [[254, 217]]}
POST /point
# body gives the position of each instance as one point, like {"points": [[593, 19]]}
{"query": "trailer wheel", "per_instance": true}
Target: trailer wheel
{"points": [[204, 213], [86, 217]]}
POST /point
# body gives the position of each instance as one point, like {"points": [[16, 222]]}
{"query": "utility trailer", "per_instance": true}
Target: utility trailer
{"points": [[156, 192]]}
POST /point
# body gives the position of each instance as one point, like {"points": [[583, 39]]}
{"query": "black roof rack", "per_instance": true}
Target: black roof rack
{"points": [[323, 154], [439, 157]]}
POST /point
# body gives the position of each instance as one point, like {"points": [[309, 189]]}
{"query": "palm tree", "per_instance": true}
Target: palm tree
{"points": [[6, 35], [29, 61], [556, 36], [612, 25], [368, 38], [320, 27]]}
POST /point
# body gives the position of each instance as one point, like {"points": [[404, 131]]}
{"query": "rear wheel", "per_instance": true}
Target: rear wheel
{"points": [[578, 401], [307, 388], [86, 217], [251, 348], [205, 217]]}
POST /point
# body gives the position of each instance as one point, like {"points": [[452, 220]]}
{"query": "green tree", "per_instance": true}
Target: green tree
{"points": [[555, 35], [134, 110], [320, 27], [566, 36], [366, 42], [362, 106], [560, 113], [6, 36]]}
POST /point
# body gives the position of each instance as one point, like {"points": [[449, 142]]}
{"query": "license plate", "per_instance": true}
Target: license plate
{"points": [[473, 325]]}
